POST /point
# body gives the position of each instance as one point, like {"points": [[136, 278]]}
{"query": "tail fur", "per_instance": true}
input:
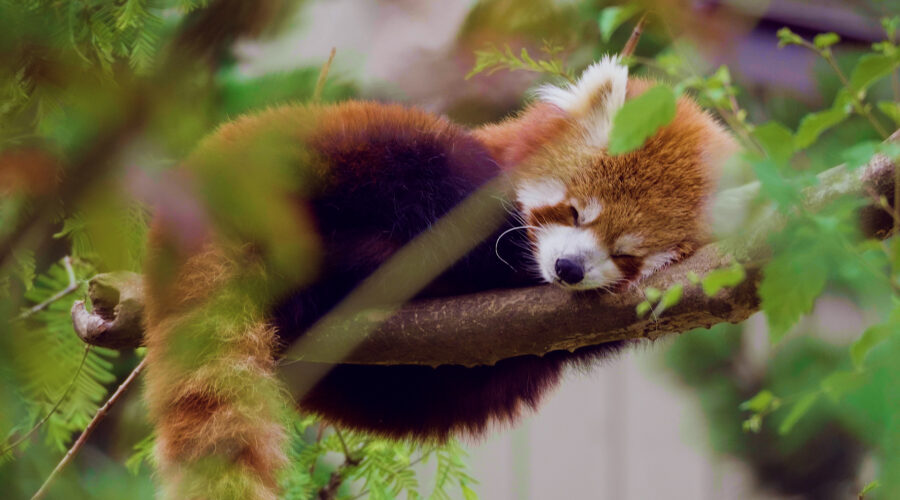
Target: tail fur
{"points": [[210, 386]]}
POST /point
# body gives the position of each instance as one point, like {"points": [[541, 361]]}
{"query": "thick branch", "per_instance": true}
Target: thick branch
{"points": [[486, 327]]}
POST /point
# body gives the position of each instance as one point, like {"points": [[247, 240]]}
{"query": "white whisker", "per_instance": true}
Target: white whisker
{"points": [[497, 243]]}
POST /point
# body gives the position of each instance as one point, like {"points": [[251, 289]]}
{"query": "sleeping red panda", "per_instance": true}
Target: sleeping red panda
{"points": [[376, 176]]}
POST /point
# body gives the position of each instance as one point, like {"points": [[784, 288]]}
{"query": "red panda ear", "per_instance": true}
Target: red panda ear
{"points": [[512, 141], [593, 100]]}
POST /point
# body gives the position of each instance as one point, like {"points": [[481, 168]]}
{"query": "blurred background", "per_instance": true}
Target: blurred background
{"points": [[662, 421]]}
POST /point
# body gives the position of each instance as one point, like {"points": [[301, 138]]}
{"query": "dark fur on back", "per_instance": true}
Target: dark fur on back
{"points": [[392, 173]]}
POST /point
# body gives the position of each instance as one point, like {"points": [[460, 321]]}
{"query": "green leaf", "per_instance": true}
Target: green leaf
{"points": [[798, 410], [840, 383], [652, 294], [868, 489], [870, 338], [763, 401], [670, 298], [613, 17], [859, 154], [788, 37], [640, 118], [825, 40], [890, 25], [721, 278], [777, 140], [24, 269], [753, 424], [871, 68], [774, 186], [468, 493], [814, 124], [892, 109], [643, 308], [784, 296], [143, 452]]}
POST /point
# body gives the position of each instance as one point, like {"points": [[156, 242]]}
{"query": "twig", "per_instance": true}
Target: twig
{"points": [[337, 477], [56, 406], [424, 455], [89, 429], [858, 104], [323, 76], [73, 285], [349, 456], [632, 42]]}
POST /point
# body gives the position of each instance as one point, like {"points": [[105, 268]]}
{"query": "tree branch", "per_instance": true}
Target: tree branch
{"points": [[71, 287], [486, 327], [101, 413]]}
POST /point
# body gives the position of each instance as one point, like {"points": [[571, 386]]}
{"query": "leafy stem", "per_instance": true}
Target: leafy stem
{"points": [[822, 46]]}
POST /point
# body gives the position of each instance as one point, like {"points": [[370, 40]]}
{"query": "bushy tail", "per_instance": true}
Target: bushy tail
{"points": [[431, 404], [211, 390]]}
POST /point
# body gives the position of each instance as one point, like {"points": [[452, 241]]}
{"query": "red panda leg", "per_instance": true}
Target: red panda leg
{"points": [[217, 407]]}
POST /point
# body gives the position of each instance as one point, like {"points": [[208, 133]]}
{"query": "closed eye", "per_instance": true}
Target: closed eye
{"points": [[574, 215], [622, 256]]}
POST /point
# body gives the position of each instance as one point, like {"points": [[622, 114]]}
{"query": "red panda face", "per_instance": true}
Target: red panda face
{"points": [[586, 238], [602, 221]]}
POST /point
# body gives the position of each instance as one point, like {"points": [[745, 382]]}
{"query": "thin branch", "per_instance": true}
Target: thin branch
{"points": [[329, 491], [323, 76], [79, 443], [56, 406], [349, 456], [635, 37], [422, 457], [73, 285]]}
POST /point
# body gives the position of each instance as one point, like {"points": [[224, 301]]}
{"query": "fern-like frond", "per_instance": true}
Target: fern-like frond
{"points": [[49, 356]]}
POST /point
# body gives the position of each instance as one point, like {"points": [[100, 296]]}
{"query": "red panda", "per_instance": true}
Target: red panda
{"points": [[376, 176]]}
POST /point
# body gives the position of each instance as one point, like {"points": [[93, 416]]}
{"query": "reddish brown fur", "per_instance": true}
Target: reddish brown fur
{"points": [[658, 192], [517, 138]]}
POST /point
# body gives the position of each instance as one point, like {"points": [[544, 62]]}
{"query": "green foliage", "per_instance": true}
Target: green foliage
{"points": [[814, 124], [870, 69], [370, 467], [725, 277], [872, 486], [776, 140], [492, 59], [60, 385], [807, 388], [872, 337], [663, 300], [825, 40], [613, 17], [640, 118], [797, 411]]}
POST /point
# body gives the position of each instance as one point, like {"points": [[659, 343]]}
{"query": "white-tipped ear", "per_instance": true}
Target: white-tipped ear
{"points": [[594, 99]]}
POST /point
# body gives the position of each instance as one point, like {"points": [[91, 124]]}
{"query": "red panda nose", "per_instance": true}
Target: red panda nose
{"points": [[569, 271]]}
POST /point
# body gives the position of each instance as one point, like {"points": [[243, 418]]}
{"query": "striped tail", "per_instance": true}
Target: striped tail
{"points": [[217, 407]]}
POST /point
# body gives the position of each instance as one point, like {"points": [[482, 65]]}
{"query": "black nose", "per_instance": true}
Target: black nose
{"points": [[569, 271]]}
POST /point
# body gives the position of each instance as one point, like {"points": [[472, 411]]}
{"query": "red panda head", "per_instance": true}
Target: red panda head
{"points": [[602, 221]]}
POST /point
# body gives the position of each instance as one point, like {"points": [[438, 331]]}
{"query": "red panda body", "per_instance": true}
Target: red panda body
{"points": [[374, 177]]}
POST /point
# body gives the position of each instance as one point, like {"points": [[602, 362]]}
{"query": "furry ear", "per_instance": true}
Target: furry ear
{"points": [[593, 100]]}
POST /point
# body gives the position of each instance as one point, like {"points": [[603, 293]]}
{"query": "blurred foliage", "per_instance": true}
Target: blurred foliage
{"points": [[72, 72]]}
